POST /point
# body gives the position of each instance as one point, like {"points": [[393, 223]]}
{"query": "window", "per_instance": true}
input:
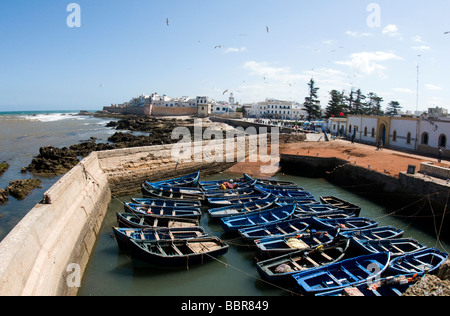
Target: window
{"points": [[443, 141], [394, 136], [425, 138], [408, 138], [350, 129], [365, 131], [373, 132]]}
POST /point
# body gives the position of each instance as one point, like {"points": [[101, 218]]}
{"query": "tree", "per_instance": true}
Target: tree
{"points": [[337, 105], [312, 104], [358, 103], [392, 108], [350, 100], [373, 106]]}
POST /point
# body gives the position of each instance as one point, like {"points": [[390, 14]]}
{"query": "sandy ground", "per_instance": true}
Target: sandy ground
{"points": [[386, 161]]}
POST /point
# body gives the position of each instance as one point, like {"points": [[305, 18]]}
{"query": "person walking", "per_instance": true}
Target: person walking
{"points": [[440, 152]]}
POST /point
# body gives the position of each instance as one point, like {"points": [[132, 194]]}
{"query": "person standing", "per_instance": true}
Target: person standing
{"points": [[440, 152]]}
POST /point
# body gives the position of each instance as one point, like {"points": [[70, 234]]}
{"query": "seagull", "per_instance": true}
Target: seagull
{"points": [[167, 21], [218, 46], [447, 32], [267, 29], [101, 86], [225, 92]]}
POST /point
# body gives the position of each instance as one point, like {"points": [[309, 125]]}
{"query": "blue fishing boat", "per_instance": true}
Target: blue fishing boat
{"points": [[133, 220], [242, 209], [268, 181], [346, 224], [286, 192], [307, 210], [171, 193], [194, 213], [424, 261], [123, 235], [295, 225], [392, 286], [229, 186], [385, 232], [177, 253], [397, 247], [341, 204], [230, 193], [190, 180], [218, 183], [281, 245], [232, 200], [167, 203], [301, 200], [234, 223], [343, 274], [281, 268]]}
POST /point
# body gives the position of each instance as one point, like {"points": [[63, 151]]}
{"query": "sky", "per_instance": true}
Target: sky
{"points": [[255, 49]]}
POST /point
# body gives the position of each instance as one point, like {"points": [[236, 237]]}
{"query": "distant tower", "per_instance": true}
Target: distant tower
{"points": [[231, 98]]}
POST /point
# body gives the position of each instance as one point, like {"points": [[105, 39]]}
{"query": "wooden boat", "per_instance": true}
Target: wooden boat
{"points": [[385, 232], [234, 223], [203, 184], [339, 275], [268, 181], [345, 224], [289, 192], [157, 211], [230, 193], [242, 209], [295, 225], [280, 269], [167, 203], [232, 200], [133, 220], [176, 254], [301, 200], [392, 286], [123, 235], [190, 180], [424, 261], [341, 204], [149, 191], [281, 245], [237, 185], [314, 209], [397, 247]]}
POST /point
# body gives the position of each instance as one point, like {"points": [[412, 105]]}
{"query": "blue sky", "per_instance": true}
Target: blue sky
{"points": [[125, 48]]}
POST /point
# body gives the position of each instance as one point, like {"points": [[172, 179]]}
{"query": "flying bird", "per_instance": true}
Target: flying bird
{"points": [[167, 21], [225, 92], [267, 29], [101, 86], [218, 46], [447, 32]]}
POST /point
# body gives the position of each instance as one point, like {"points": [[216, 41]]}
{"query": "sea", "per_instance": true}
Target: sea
{"points": [[22, 134], [110, 271]]}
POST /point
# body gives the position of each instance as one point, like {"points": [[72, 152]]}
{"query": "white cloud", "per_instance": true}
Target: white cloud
{"points": [[403, 90], [368, 63], [235, 50], [418, 39], [357, 34], [432, 87], [392, 30], [421, 48]]}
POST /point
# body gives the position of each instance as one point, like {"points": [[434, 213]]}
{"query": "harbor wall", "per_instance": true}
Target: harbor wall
{"points": [[47, 252]]}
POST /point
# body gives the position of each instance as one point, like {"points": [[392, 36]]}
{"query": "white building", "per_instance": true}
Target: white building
{"points": [[277, 109]]}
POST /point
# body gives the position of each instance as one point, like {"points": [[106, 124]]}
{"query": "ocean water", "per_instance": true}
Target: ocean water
{"points": [[22, 134]]}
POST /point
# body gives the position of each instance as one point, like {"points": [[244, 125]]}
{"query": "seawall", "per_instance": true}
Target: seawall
{"points": [[47, 252]]}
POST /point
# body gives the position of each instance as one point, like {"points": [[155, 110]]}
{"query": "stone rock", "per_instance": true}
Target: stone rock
{"points": [[53, 161], [21, 188], [429, 285], [3, 196], [3, 167]]}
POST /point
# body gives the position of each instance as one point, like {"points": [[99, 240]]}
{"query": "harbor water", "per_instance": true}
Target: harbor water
{"points": [[111, 273]]}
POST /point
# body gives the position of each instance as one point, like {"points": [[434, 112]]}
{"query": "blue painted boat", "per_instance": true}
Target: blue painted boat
{"points": [[177, 253], [281, 245], [424, 261], [301, 200], [167, 203], [230, 193], [234, 223], [233, 200], [393, 286], [385, 232], [287, 192], [341, 204], [194, 213], [295, 225], [307, 210], [217, 183], [268, 181], [123, 235], [190, 180], [171, 193], [133, 220], [235, 185], [397, 247], [343, 274], [281, 269], [242, 209], [346, 224]]}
